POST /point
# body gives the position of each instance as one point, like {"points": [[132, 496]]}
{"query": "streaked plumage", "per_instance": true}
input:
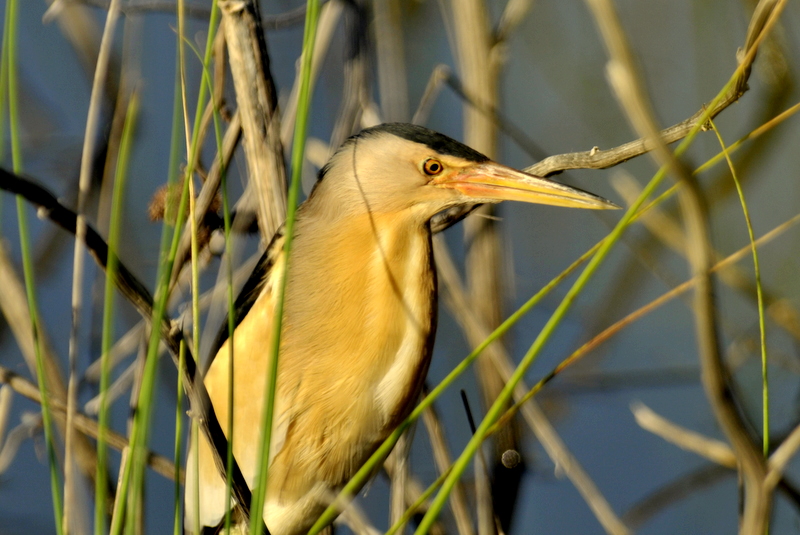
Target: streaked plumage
{"points": [[359, 320]]}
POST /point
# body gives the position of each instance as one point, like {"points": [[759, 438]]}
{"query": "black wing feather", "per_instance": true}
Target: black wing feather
{"points": [[249, 292]]}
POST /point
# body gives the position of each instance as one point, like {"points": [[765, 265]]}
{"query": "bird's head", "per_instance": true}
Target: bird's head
{"points": [[404, 168]]}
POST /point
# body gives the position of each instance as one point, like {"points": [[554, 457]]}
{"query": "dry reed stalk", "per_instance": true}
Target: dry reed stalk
{"points": [[257, 101], [443, 460], [479, 71]]}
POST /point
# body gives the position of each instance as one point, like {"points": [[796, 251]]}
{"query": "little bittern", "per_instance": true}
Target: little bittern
{"points": [[359, 317]]}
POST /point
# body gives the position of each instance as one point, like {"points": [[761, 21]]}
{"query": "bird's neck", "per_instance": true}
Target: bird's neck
{"points": [[376, 272], [370, 260]]}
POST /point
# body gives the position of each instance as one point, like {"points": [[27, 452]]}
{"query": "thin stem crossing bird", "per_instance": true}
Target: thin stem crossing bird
{"points": [[359, 317]]}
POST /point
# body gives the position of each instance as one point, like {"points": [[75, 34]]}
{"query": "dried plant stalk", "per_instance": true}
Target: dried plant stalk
{"points": [[479, 73], [258, 109]]}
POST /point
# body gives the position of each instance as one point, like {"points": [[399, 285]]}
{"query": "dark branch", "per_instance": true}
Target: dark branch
{"points": [[130, 286]]}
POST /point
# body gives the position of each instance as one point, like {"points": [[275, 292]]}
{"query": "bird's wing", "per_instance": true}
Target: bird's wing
{"points": [[249, 292], [251, 355]]}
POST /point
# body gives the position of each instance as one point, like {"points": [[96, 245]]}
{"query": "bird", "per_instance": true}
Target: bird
{"points": [[359, 317]]}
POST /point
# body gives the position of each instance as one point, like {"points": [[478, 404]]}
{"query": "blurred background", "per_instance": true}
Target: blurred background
{"points": [[547, 84]]}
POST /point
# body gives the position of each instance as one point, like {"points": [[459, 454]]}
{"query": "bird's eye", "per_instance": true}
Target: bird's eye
{"points": [[432, 166]]}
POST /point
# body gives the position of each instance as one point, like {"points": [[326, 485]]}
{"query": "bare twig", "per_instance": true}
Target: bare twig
{"points": [[354, 518], [780, 459], [668, 231], [513, 15], [15, 310], [30, 424], [441, 456], [591, 159], [676, 291], [355, 71], [258, 109], [633, 99], [120, 385], [87, 164], [714, 450], [391, 65], [329, 16], [399, 478], [83, 423], [6, 398], [414, 491], [125, 345], [434, 86], [210, 189], [673, 492]]}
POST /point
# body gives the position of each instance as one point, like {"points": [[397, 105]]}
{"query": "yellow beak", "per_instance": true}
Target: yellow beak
{"points": [[492, 182]]}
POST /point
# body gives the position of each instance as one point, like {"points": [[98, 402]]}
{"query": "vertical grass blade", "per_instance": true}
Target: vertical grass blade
{"points": [[108, 310], [176, 149], [227, 255], [177, 522], [141, 427], [10, 54], [132, 480], [759, 295], [79, 253], [298, 152]]}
